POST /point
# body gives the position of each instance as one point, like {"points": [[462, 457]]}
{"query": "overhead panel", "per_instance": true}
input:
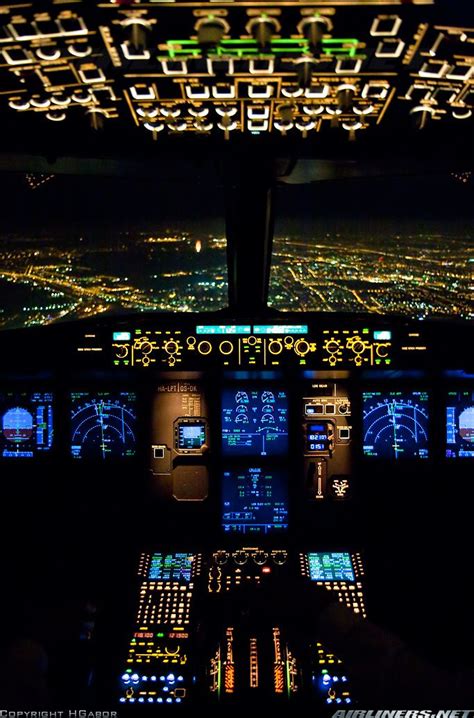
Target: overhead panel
{"points": [[225, 68]]}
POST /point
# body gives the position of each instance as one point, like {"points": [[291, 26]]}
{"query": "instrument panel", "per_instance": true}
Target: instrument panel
{"points": [[103, 424], [188, 646], [396, 424], [26, 428], [263, 346]]}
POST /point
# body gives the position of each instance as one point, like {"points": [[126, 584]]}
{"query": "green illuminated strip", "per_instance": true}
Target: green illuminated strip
{"points": [[243, 48], [222, 329]]}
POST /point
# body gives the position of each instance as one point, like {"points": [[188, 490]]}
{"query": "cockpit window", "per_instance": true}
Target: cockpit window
{"points": [[399, 245], [89, 244]]}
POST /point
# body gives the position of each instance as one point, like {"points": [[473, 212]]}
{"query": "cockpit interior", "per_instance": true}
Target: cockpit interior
{"points": [[236, 379]]}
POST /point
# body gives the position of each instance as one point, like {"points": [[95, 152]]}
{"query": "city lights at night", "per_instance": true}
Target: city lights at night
{"points": [[43, 281], [419, 275]]}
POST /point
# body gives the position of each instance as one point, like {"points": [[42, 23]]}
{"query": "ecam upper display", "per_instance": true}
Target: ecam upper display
{"points": [[254, 422]]}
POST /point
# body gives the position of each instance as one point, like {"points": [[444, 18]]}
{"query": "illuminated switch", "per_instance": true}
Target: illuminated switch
{"points": [[46, 28], [72, 26]]}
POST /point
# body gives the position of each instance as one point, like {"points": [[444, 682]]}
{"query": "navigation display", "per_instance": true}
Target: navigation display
{"points": [[254, 422], [26, 424], [255, 500], [395, 424], [460, 424], [330, 567], [170, 567], [103, 424]]}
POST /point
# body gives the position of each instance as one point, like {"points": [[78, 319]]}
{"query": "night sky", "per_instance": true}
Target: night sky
{"points": [[71, 204]]}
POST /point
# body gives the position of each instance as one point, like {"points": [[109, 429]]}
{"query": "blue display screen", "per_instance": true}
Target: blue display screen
{"points": [[223, 329], [460, 424], [26, 424], [254, 422], [255, 500], [317, 436], [280, 329], [170, 567], [330, 566], [103, 424], [395, 424], [191, 436]]}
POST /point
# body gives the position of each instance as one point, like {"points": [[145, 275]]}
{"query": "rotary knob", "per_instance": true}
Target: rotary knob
{"points": [[358, 346], [221, 557], [275, 346], [301, 347], [205, 347], [332, 346], [260, 557], [263, 28], [226, 347], [172, 347], [211, 30], [280, 557], [121, 351], [240, 557], [313, 28], [145, 347]]}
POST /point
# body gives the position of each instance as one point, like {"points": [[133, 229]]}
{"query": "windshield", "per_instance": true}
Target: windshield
{"points": [[78, 246], [381, 245]]}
